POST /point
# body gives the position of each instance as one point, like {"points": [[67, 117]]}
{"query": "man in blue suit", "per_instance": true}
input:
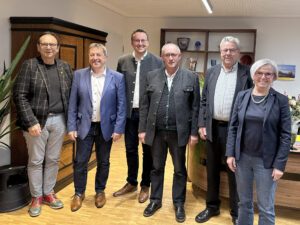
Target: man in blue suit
{"points": [[97, 114]]}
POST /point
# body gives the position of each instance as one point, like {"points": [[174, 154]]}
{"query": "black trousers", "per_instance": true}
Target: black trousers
{"points": [[163, 141], [215, 161], [132, 156]]}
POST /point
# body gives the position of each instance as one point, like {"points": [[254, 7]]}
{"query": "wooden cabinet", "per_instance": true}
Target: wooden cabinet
{"points": [[75, 40], [202, 50]]}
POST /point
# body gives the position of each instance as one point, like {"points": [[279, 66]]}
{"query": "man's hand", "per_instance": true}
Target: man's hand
{"points": [[116, 136], [142, 137], [193, 140], [202, 133], [73, 135], [35, 130], [231, 163]]}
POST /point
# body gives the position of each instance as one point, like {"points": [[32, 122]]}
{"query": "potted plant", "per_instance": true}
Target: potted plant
{"points": [[14, 190], [6, 85]]}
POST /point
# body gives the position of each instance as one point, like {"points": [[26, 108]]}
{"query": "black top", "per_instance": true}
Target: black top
{"points": [[55, 100], [253, 127], [166, 113]]}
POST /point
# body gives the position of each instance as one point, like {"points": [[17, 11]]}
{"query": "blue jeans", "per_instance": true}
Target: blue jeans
{"points": [[250, 169], [83, 154], [44, 154]]}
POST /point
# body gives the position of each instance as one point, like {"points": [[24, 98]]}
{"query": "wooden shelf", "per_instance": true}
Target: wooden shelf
{"points": [[210, 40]]}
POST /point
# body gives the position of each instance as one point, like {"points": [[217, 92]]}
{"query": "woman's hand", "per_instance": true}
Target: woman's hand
{"points": [[231, 163], [276, 174]]}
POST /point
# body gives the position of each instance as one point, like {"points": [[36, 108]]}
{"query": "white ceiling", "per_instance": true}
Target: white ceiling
{"points": [[195, 8]]}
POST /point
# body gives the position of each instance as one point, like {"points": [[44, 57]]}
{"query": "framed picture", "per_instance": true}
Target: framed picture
{"points": [[286, 72]]}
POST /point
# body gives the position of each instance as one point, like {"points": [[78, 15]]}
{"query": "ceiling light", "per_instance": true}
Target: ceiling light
{"points": [[207, 6]]}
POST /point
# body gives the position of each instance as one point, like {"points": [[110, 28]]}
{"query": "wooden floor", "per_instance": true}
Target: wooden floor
{"points": [[126, 210]]}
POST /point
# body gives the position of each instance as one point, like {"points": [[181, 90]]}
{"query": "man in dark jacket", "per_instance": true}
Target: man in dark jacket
{"points": [[41, 95], [135, 66], [168, 120], [222, 83]]}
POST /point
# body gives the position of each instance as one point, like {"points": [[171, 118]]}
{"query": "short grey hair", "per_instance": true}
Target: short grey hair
{"points": [[98, 45], [264, 62], [163, 49], [232, 39]]}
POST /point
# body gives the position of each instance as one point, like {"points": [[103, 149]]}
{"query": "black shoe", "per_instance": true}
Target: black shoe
{"points": [[206, 214], [234, 221], [151, 209], [179, 214]]}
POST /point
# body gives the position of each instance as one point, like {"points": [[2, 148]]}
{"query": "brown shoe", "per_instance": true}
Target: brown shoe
{"points": [[144, 194], [100, 199], [124, 190], [76, 202]]}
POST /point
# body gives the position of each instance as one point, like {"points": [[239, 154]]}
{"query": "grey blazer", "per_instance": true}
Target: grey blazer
{"points": [[127, 66], [186, 93], [276, 129], [244, 82]]}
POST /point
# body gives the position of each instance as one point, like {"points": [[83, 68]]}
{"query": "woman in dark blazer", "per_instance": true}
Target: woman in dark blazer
{"points": [[258, 142]]}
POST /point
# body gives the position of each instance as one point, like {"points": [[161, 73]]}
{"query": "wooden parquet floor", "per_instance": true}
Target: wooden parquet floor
{"points": [[126, 210]]}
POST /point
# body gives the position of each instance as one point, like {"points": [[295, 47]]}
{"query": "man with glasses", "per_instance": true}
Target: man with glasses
{"points": [[135, 66], [41, 95], [168, 120], [222, 83]]}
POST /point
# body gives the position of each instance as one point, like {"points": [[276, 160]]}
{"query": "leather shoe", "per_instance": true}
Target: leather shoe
{"points": [[76, 202], [144, 194], [124, 190], [206, 214], [100, 199], [179, 214], [151, 209]]}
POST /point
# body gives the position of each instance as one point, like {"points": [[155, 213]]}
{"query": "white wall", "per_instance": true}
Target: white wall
{"points": [[277, 38], [83, 12]]}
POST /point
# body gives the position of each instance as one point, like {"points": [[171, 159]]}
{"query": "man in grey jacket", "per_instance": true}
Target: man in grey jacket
{"points": [[168, 120], [135, 66]]}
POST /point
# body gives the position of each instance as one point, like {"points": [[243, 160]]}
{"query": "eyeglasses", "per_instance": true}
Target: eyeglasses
{"points": [[261, 74], [45, 45], [140, 41], [230, 50], [173, 55]]}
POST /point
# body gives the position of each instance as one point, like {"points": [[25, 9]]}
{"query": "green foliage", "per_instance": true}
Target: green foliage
{"points": [[6, 85]]}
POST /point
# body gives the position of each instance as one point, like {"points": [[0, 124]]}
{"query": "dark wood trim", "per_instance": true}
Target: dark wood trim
{"points": [[56, 21]]}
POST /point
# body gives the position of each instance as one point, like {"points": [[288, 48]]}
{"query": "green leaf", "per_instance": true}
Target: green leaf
{"points": [[6, 86]]}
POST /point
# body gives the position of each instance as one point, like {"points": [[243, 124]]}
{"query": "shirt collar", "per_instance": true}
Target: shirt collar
{"points": [[233, 69], [100, 74], [171, 75], [133, 54]]}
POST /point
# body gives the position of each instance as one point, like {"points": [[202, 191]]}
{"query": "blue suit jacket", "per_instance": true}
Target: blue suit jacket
{"points": [[276, 129], [112, 106]]}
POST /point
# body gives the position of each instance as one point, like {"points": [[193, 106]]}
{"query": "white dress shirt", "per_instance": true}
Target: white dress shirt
{"points": [[97, 83]]}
